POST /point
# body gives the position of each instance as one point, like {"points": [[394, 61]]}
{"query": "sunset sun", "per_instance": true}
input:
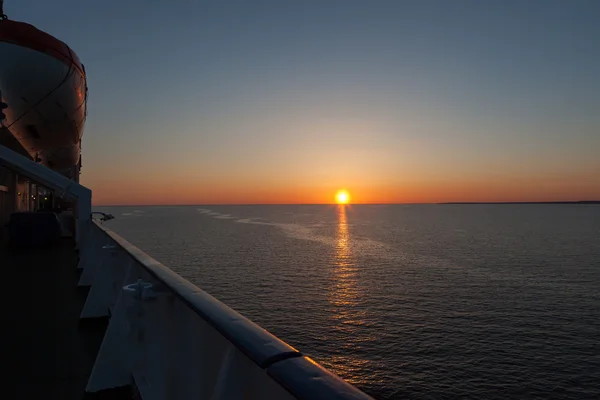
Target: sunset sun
{"points": [[342, 197]]}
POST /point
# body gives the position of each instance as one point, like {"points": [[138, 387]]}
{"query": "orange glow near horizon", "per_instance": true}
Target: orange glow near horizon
{"points": [[191, 187]]}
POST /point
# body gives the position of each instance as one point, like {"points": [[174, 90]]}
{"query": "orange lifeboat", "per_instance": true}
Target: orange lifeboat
{"points": [[44, 90]]}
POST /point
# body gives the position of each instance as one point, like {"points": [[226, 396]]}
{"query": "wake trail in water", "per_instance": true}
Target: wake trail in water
{"points": [[361, 246]]}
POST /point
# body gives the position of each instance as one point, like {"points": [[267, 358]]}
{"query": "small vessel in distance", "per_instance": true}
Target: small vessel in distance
{"points": [[44, 90]]}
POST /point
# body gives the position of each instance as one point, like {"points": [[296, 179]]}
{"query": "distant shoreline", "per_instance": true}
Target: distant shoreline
{"points": [[583, 202], [529, 202]]}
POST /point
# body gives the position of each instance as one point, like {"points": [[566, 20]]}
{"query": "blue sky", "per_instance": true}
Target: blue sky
{"points": [[393, 98]]}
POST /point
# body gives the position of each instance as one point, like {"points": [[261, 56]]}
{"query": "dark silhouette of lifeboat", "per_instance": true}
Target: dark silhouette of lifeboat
{"points": [[44, 90]]}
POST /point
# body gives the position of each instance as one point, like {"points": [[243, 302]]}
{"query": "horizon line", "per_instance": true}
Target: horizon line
{"points": [[355, 204]]}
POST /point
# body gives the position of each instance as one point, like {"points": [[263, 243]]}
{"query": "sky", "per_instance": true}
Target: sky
{"points": [[196, 102]]}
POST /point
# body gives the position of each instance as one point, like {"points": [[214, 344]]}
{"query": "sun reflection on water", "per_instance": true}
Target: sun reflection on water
{"points": [[344, 293], [348, 314]]}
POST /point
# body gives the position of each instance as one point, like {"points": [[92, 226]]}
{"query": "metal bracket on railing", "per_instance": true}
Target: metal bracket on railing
{"points": [[105, 216], [143, 290]]}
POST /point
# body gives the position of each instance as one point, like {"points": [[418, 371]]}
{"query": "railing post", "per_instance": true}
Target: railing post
{"points": [[154, 366], [98, 255], [231, 383], [110, 270], [222, 377], [114, 361]]}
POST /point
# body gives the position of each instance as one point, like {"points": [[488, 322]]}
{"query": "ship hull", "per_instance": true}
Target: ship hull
{"points": [[46, 98]]}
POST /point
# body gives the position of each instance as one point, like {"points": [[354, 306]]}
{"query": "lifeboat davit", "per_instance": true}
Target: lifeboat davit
{"points": [[43, 85]]}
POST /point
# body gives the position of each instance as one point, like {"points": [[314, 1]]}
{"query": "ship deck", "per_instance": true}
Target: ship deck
{"points": [[47, 352]]}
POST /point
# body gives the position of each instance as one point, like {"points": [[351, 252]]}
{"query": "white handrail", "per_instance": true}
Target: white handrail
{"points": [[175, 341]]}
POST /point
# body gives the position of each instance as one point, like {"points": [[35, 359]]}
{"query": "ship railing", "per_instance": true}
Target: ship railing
{"points": [[171, 340], [63, 187]]}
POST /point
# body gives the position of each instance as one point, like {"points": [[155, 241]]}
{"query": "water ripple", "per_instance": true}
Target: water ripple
{"points": [[420, 302]]}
